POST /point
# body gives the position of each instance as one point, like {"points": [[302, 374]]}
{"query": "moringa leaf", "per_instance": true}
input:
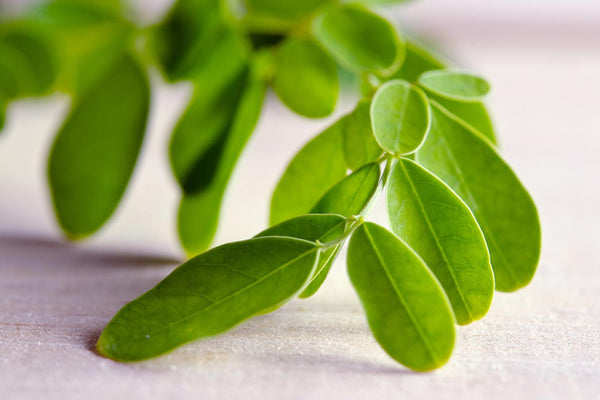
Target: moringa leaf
{"points": [[313, 227], [359, 39], [439, 226], [33, 67], [318, 166], [473, 113], [199, 212], [454, 85], [360, 146], [417, 61], [400, 117], [95, 151], [406, 308], [306, 78], [198, 141], [208, 295], [470, 165], [352, 194], [194, 39]]}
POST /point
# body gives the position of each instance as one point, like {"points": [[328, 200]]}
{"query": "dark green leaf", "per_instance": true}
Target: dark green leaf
{"points": [[311, 173], [95, 151], [313, 227], [33, 69], [454, 85], [439, 226], [360, 146], [351, 195], [470, 165], [193, 41], [359, 39], [198, 141], [208, 295], [406, 308], [199, 213], [400, 117], [306, 78]]}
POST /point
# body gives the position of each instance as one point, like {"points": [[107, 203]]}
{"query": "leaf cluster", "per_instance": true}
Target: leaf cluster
{"points": [[462, 224]]}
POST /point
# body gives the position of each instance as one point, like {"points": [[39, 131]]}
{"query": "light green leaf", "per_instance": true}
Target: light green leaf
{"points": [[88, 39], [360, 146], [418, 60], [313, 227], [351, 195], [470, 165], [473, 113], [318, 166], [359, 39], [208, 295], [306, 78], [199, 213], [95, 151], [400, 116], [274, 16], [439, 226], [454, 85], [406, 308], [194, 39], [199, 138]]}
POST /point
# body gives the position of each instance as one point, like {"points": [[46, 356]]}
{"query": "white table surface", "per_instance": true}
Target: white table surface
{"points": [[541, 342]]}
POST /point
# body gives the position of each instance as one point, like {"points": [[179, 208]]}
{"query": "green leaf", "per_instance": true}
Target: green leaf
{"points": [[318, 166], [351, 195], [360, 146], [199, 139], [418, 60], [313, 227], [306, 78], [33, 70], [199, 213], [359, 39], [454, 85], [192, 42], [439, 226], [470, 165], [95, 151], [400, 116], [473, 113], [208, 295], [275, 16], [88, 38], [406, 308]]}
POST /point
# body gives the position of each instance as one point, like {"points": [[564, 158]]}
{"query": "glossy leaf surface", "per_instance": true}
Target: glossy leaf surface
{"points": [[406, 308], [360, 146], [306, 78], [439, 226], [318, 166], [208, 295], [199, 212], [470, 165], [351, 195], [417, 61], [95, 151], [313, 227], [359, 39], [454, 85], [400, 117]]}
